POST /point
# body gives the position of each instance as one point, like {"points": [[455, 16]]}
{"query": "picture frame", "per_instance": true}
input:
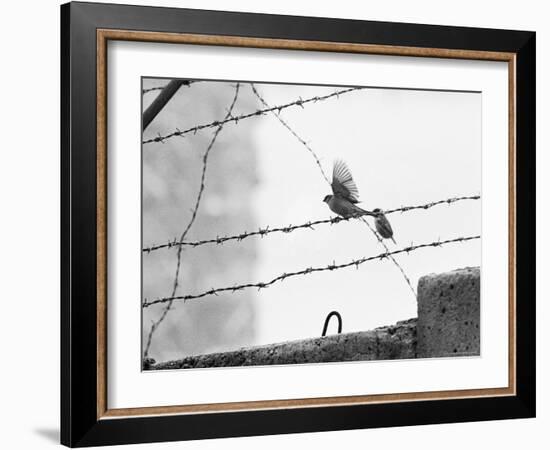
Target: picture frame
{"points": [[86, 418]]}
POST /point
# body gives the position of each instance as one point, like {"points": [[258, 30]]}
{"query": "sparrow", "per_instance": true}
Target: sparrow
{"points": [[344, 193], [383, 225]]}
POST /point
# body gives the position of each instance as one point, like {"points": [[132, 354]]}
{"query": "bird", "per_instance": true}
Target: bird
{"points": [[345, 194], [383, 225]]}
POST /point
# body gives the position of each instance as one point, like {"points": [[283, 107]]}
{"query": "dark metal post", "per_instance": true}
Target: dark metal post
{"points": [[160, 102]]}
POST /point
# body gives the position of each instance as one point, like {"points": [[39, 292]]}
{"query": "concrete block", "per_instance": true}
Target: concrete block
{"points": [[447, 325], [448, 314], [392, 342]]}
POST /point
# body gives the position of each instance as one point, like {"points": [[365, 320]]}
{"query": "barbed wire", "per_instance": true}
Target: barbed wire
{"points": [[381, 241], [307, 271], [318, 162], [289, 128], [448, 201], [299, 102], [167, 308], [160, 88], [290, 228], [181, 243]]}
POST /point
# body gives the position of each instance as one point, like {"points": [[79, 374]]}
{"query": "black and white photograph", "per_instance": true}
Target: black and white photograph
{"points": [[261, 225], [305, 224]]}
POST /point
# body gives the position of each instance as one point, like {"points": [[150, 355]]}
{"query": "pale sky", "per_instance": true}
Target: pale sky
{"points": [[403, 147]]}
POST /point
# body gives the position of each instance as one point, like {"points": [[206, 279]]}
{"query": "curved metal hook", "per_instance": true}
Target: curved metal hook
{"points": [[327, 320]]}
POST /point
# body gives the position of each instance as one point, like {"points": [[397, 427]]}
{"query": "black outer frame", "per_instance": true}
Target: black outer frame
{"points": [[79, 424]]}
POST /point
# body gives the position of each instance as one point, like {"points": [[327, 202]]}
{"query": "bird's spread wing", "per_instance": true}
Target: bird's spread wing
{"points": [[342, 182]]}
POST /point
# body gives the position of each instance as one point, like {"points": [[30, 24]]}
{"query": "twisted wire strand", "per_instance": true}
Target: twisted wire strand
{"points": [[289, 128], [447, 201], [407, 279], [155, 324], [307, 271], [275, 110], [174, 243], [299, 102], [314, 155]]}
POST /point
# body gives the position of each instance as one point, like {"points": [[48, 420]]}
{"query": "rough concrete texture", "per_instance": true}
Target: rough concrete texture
{"points": [[448, 314], [447, 325], [391, 342]]}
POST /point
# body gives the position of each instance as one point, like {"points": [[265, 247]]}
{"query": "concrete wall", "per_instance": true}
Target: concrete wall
{"points": [[448, 314], [393, 342], [447, 325]]}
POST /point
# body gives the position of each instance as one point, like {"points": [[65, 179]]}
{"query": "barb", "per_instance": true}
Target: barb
{"points": [[300, 102], [288, 127], [403, 209], [174, 243], [167, 308], [447, 201], [312, 152], [407, 279], [309, 270], [160, 88]]}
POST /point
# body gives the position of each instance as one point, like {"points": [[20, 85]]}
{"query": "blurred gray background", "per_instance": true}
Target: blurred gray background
{"points": [[403, 147]]}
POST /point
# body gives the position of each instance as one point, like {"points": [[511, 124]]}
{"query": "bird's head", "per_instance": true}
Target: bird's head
{"points": [[327, 198], [377, 211]]}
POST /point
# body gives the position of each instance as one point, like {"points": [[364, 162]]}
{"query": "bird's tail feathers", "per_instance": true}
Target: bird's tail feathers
{"points": [[393, 240], [363, 211]]}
